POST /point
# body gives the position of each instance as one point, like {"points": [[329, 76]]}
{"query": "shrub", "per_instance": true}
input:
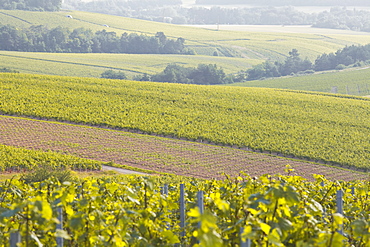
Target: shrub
{"points": [[45, 172], [111, 74], [340, 67]]}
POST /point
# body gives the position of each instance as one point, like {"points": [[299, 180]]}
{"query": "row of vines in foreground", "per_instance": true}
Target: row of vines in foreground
{"points": [[132, 211], [306, 125], [20, 159]]}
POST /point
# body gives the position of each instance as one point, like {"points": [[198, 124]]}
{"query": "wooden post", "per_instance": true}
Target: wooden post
{"points": [[246, 243], [165, 190], [182, 209], [200, 197], [60, 226], [340, 205], [15, 239]]}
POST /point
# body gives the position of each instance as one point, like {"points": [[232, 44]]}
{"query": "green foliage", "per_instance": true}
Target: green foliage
{"points": [[81, 40], [19, 159], [111, 74], [45, 172], [301, 124], [131, 211], [204, 75], [34, 5], [292, 65]]}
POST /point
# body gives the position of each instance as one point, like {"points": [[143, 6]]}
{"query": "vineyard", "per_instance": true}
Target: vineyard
{"points": [[353, 82], [158, 154], [322, 127], [19, 159], [140, 211]]}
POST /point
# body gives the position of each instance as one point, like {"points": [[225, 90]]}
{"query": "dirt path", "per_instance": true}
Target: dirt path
{"points": [[121, 170], [154, 153]]}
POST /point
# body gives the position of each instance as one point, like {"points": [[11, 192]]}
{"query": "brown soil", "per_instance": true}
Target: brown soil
{"points": [[154, 153]]}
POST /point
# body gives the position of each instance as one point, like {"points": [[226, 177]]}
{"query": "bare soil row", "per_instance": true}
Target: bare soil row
{"points": [[154, 153]]}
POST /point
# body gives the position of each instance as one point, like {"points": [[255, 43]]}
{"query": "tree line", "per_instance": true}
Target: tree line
{"points": [[294, 64], [203, 74], [336, 17], [289, 2], [81, 40], [212, 75], [34, 5]]}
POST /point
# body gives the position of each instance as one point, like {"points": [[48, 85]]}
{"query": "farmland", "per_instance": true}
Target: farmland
{"points": [[300, 124], [354, 82], [92, 65], [253, 45], [159, 154]]}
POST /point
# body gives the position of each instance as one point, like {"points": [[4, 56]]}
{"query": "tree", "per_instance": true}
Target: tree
{"points": [[111, 74]]}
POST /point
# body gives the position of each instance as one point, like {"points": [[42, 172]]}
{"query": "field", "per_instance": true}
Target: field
{"points": [[159, 154], [353, 82], [301, 124], [92, 65], [253, 45]]}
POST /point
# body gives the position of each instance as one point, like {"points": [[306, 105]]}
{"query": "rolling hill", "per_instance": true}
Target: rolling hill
{"points": [[313, 126], [253, 45], [351, 81]]}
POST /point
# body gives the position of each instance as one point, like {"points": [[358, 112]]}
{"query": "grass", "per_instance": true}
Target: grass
{"points": [[354, 82], [92, 65]]}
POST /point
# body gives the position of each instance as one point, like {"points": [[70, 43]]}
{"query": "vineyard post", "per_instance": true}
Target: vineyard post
{"points": [[200, 197], [182, 209], [353, 191], [200, 201], [340, 205], [244, 243], [15, 239], [358, 89], [60, 226], [165, 189]]}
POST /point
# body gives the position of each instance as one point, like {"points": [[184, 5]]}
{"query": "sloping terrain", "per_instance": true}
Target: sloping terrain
{"points": [[351, 81], [154, 153], [253, 45]]}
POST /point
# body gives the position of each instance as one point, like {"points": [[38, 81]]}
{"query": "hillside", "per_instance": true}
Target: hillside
{"points": [[353, 82], [92, 65], [253, 45], [301, 124]]}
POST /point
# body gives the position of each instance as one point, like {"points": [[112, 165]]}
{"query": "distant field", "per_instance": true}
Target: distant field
{"points": [[254, 45], [353, 82], [92, 65], [281, 29], [307, 125], [152, 152]]}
